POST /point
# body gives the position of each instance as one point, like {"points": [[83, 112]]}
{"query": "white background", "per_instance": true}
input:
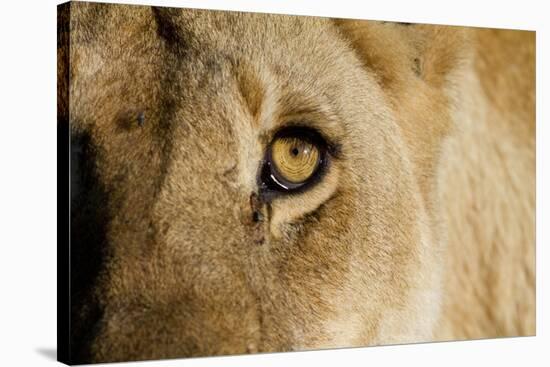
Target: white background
{"points": [[28, 182]]}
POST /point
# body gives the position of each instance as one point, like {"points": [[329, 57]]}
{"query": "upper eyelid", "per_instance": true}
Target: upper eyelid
{"points": [[315, 111], [332, 142]]}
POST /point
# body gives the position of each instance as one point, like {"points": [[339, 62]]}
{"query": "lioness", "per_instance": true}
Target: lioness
{"points": [[247, 183]]}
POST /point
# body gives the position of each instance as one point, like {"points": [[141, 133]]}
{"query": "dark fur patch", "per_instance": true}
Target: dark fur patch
{"points": [[89, 221], [251, 90], [167, 29]]}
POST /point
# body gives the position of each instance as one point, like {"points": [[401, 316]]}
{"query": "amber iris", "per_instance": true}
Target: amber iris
{"points": [[294, 159]]}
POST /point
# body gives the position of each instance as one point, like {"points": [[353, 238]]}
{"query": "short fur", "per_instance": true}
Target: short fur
{"points": [[421, 230]]}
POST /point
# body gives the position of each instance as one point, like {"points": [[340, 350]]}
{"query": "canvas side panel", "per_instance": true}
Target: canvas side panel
{"points": [[63, 177]]}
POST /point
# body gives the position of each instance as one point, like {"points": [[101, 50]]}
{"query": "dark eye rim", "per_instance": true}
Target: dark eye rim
{"points": [[272, 183]]}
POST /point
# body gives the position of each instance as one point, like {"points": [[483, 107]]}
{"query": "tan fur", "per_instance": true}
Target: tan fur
{"points": [[422, 228]]}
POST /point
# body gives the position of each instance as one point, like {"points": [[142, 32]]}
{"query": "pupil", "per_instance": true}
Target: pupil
{"points": [[295, 151]]}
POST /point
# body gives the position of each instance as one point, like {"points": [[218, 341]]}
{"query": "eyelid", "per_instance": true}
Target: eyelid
{"points": [[312, 110], [330, 138]]}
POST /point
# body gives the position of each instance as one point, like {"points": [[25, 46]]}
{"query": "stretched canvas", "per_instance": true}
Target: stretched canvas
{"points": [[234, 183]]}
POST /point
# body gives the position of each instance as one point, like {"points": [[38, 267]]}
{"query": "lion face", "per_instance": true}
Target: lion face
{"points": [[247, 183]]}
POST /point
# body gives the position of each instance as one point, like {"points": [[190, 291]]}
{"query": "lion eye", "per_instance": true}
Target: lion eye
{"points": [[293, 160]]}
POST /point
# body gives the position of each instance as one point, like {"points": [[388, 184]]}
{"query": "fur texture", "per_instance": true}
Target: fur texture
{"points": [[422, 228]]}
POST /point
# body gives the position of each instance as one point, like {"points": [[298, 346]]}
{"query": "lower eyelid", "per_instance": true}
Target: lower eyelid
{"points": [[294, 206]]}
